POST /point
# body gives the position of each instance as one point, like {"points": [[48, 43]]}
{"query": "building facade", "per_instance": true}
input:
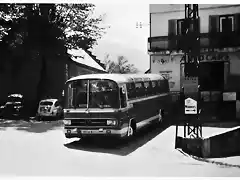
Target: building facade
{"points": [[219, 27]]}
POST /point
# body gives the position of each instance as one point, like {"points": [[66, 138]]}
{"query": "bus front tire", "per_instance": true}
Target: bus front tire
{"points": [[131, 129], [161, 116]]}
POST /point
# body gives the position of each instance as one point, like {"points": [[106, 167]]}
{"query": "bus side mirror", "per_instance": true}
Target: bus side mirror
{"points": [[123, 97]]}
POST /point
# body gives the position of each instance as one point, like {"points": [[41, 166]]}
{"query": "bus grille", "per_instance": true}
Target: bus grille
{"points": [[89, 122]]}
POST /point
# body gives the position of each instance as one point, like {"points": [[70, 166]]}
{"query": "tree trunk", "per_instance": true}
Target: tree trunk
{"points": [[42, 80]]}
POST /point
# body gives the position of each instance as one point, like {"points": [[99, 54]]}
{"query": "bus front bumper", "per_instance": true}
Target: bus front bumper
{"points": [[79, 132]]}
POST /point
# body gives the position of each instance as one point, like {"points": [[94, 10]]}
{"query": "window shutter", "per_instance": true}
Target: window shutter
{"points": [[213, 24], [172, 27], [199, 25], [172, 31], [237, 23]]}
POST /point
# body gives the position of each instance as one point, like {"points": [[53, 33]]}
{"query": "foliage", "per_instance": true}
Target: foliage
{"points": [[120, 66], [74, 24], [45, 31]]}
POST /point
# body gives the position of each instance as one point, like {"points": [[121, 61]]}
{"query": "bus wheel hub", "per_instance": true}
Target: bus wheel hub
{"points": [[130, 131]]}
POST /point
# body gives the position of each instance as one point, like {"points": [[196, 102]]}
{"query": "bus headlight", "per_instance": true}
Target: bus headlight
{"points": [[111, 122], [67, 122]]}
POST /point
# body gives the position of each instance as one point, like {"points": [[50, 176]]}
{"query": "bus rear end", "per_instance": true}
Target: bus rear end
{"points": [[93, 108]]}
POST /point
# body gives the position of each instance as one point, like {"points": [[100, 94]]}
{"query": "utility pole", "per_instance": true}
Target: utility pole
{"points": [[190, 90]]}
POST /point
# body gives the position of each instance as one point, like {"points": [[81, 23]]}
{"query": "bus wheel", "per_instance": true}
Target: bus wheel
{"points": [[131, 129], [160, 116]]}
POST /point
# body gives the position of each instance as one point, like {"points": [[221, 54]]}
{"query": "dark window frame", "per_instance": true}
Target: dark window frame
{"points": [[226, 16], [179, 29]]}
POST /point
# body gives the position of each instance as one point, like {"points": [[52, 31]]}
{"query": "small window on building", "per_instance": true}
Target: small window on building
{"points": [[226, 23], [180, 27]]}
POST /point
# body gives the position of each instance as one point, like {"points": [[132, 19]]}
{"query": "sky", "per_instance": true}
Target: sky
{"points": [[123, 38]]}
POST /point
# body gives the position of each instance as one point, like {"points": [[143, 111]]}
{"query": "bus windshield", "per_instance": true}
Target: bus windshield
{"points": [[93, 94]]}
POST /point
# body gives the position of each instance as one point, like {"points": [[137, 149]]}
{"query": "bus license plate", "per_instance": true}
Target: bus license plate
{"points": [[86, 131]]}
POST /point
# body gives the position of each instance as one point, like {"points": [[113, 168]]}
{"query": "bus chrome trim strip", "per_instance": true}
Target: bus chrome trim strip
{"points": [[90, 110], [146, 121], [106, 118], [147, 98], [122, 131]]}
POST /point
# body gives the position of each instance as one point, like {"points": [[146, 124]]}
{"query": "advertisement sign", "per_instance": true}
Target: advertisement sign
{"points": [[190, 106], [169, 67]]}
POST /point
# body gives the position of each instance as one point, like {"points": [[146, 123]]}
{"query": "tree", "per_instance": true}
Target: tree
{"points": [[40, 31], [120, 66]]}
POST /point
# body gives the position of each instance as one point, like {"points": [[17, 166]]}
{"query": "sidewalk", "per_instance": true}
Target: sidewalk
{"points": [[228, 160]]}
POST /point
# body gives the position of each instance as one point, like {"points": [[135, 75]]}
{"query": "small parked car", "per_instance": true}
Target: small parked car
{"points": [[13, 108], [49, 108]]}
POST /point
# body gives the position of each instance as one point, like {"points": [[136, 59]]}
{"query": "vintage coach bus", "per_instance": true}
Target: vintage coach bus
{"points": [[114, 104]]}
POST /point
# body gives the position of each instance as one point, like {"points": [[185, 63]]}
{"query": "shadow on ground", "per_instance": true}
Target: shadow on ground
{"points": [[117, 147], [30, 126]]}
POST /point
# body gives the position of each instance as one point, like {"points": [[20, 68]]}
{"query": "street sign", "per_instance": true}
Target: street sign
{"points": [[190, 106], [190, 84]]}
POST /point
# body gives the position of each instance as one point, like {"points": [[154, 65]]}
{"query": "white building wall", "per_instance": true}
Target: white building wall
{"points": [[160, 14]]}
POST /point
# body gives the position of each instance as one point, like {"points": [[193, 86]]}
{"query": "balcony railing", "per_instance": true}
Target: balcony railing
{"points": [[207, 40]]}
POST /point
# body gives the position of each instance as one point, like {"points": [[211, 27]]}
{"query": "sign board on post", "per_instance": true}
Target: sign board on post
{"points": [[190, 85], [190, 106]]}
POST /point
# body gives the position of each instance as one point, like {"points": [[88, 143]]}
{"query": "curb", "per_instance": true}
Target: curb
{"points": [[208, 161]]}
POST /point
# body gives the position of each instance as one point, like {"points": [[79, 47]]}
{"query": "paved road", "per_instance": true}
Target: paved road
{"points": [[40, 149]]}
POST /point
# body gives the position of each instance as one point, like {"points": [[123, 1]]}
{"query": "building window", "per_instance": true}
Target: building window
{"points": [[180, 27], [226, 23]]}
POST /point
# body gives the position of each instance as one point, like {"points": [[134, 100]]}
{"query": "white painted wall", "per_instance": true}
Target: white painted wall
{"points": [[172, 64], [161, 14]]}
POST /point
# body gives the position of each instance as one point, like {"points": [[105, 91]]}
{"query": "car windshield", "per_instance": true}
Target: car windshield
{"points": [[46, 103], [12, 99], [93, 94]]}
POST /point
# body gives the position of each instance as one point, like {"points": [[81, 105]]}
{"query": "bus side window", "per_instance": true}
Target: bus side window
{"points": [[142, 90], [139, 89], [154, 87], [162, 86], [131, 90], [166, 86], [159, 86], [146, 88], [151, 88], [123, 97]]}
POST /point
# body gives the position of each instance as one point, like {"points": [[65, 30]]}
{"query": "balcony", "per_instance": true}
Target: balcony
{"points": [[207, 40]]}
